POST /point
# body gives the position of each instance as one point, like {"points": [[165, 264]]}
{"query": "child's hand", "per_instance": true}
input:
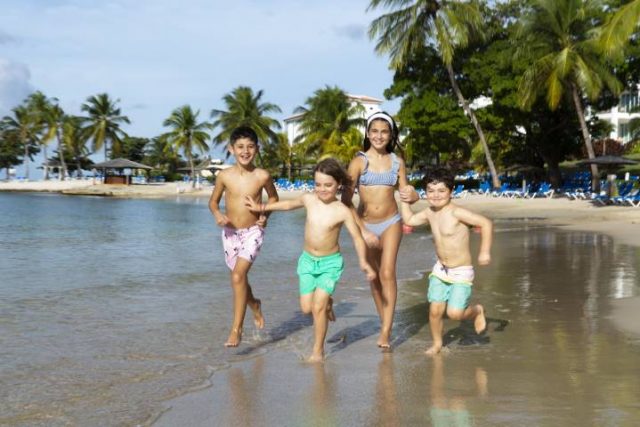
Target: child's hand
{"points": [[371, 239], [262, 221], [251, 204], [409, 195], [484, 259], [222, 220], [370, 272]]}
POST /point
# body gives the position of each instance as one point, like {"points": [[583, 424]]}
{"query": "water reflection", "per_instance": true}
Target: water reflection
{"points": [[321, 400], [448, 404], [244, 394]]}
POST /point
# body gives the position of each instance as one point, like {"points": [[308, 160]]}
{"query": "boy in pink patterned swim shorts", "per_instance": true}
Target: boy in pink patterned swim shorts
{"points": [[243, 231]]}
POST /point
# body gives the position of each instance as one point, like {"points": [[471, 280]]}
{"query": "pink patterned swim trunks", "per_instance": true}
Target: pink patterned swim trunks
{"points": [[241, 242]]}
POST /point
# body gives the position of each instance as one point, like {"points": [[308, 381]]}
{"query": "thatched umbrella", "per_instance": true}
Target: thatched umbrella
{"points": [[119, 165]]}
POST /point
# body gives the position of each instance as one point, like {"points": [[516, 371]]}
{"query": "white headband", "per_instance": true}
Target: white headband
{"points": [[380, 115]]}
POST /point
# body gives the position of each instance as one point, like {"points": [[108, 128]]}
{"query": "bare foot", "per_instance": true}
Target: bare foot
{"points": [[235, 336], [258, 319], [383, 339], [433, 350], [316, 358], [330, 314], [480, 322]]}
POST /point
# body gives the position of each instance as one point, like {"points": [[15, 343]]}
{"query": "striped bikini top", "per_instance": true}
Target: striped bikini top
{"points": [[389, 177]]}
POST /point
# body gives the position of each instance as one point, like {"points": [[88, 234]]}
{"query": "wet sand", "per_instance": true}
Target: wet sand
{"points": [[562, 346]]}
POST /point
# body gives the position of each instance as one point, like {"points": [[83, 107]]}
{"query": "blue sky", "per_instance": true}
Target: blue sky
{"points": [[156, 55]]}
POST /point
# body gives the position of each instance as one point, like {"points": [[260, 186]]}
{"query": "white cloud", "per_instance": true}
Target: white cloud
{"points": [[14, 84]]}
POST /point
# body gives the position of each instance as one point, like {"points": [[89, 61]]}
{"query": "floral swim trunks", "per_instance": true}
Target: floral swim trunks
{"points": [[241, 242]]}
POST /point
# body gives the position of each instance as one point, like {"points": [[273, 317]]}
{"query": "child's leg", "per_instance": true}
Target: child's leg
{"points": [[390, 242], [241, 294], [460, 296], [475, 312], [320, 323], [436, 324]]}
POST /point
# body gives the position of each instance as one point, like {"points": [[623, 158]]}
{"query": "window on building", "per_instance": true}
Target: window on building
{"points": [[628, 101]]}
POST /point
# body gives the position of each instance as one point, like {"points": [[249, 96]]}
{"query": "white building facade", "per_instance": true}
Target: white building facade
{"points": [[620, 116], [370, 104]]}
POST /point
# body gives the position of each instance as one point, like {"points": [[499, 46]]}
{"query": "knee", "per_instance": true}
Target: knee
{"points": [[436, 313], [319, 308], [454, 314], [237, 278], [305, 308], [387, 275]]}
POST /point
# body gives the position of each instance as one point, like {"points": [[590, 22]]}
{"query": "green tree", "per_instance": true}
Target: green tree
{"points": [[447, 25], [10, 150], [244, 108], [74, 143], [328, 121], [616, 33], [187, 134], [23, 127], [163, 156], [103, 123], [556, 39], [133, 148]]}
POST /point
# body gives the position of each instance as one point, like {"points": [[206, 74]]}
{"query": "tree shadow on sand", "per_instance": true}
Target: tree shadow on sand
{"points": [[298, 322]]}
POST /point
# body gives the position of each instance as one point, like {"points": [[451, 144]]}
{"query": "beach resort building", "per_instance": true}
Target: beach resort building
{"points": [[620, 115], [370, 104]]}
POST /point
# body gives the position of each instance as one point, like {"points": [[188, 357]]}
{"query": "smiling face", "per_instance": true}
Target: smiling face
{"points": [[438, 194], [326, 187], [379, 134], [244, 150]]}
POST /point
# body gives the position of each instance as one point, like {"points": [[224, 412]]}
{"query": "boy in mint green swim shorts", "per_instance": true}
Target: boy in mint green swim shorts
{"points": [[452, 277], [320, 265], [319, 272]]}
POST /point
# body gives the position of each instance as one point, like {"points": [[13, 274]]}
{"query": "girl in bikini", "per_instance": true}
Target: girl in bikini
{"points": [[377, 171]]}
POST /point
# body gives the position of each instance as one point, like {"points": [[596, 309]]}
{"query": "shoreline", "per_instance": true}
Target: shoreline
{"points": [[622, 223]]}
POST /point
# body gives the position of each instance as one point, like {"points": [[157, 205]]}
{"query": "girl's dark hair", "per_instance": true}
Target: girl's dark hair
{"points": [[392, 124], [439, 174], [334, 169]]}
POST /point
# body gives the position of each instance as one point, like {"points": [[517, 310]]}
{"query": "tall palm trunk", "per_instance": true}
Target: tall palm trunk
{"points": [[193, 170], [485, 147], [46, 162], [595, 177], [63, 164], [25, 142]]}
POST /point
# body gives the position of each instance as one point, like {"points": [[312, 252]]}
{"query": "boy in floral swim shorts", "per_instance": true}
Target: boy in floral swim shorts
{"points": [[243, 230]]}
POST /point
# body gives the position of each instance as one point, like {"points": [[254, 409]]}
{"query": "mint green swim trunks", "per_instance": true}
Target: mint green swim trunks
{"points": [[456, 295], [319, 272]]}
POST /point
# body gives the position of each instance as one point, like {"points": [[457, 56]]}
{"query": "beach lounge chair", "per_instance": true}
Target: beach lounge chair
{"points": [[544, 190], [459, 191]]}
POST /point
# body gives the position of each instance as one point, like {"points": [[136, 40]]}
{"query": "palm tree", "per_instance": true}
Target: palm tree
{"points": [[556, 38], [615, 34], [74, 140], [187, 134], [38, 105], [244, 108], [447, 25], [23, 127], [328, 122], [285, 153], [103, 123]]}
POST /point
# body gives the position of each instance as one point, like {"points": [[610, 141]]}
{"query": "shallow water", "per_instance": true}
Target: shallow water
{"points": [[110, 307]]}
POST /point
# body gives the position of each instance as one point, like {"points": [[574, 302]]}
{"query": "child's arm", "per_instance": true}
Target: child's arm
{"points": [[272, 197], [411, 218], [407, 192], [284, 205], [214, 202], [360, 245], [486, 231]]}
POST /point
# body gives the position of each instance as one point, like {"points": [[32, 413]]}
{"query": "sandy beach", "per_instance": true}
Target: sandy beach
{"points": [[264, 382]]}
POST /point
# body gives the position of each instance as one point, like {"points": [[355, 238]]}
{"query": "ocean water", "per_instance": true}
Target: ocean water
{"points": [[109, 307]]}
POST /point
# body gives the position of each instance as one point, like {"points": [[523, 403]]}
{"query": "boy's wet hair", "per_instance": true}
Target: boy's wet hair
{"points": [[382, 116], [440, 174], [334, 169], [243, 132]]}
